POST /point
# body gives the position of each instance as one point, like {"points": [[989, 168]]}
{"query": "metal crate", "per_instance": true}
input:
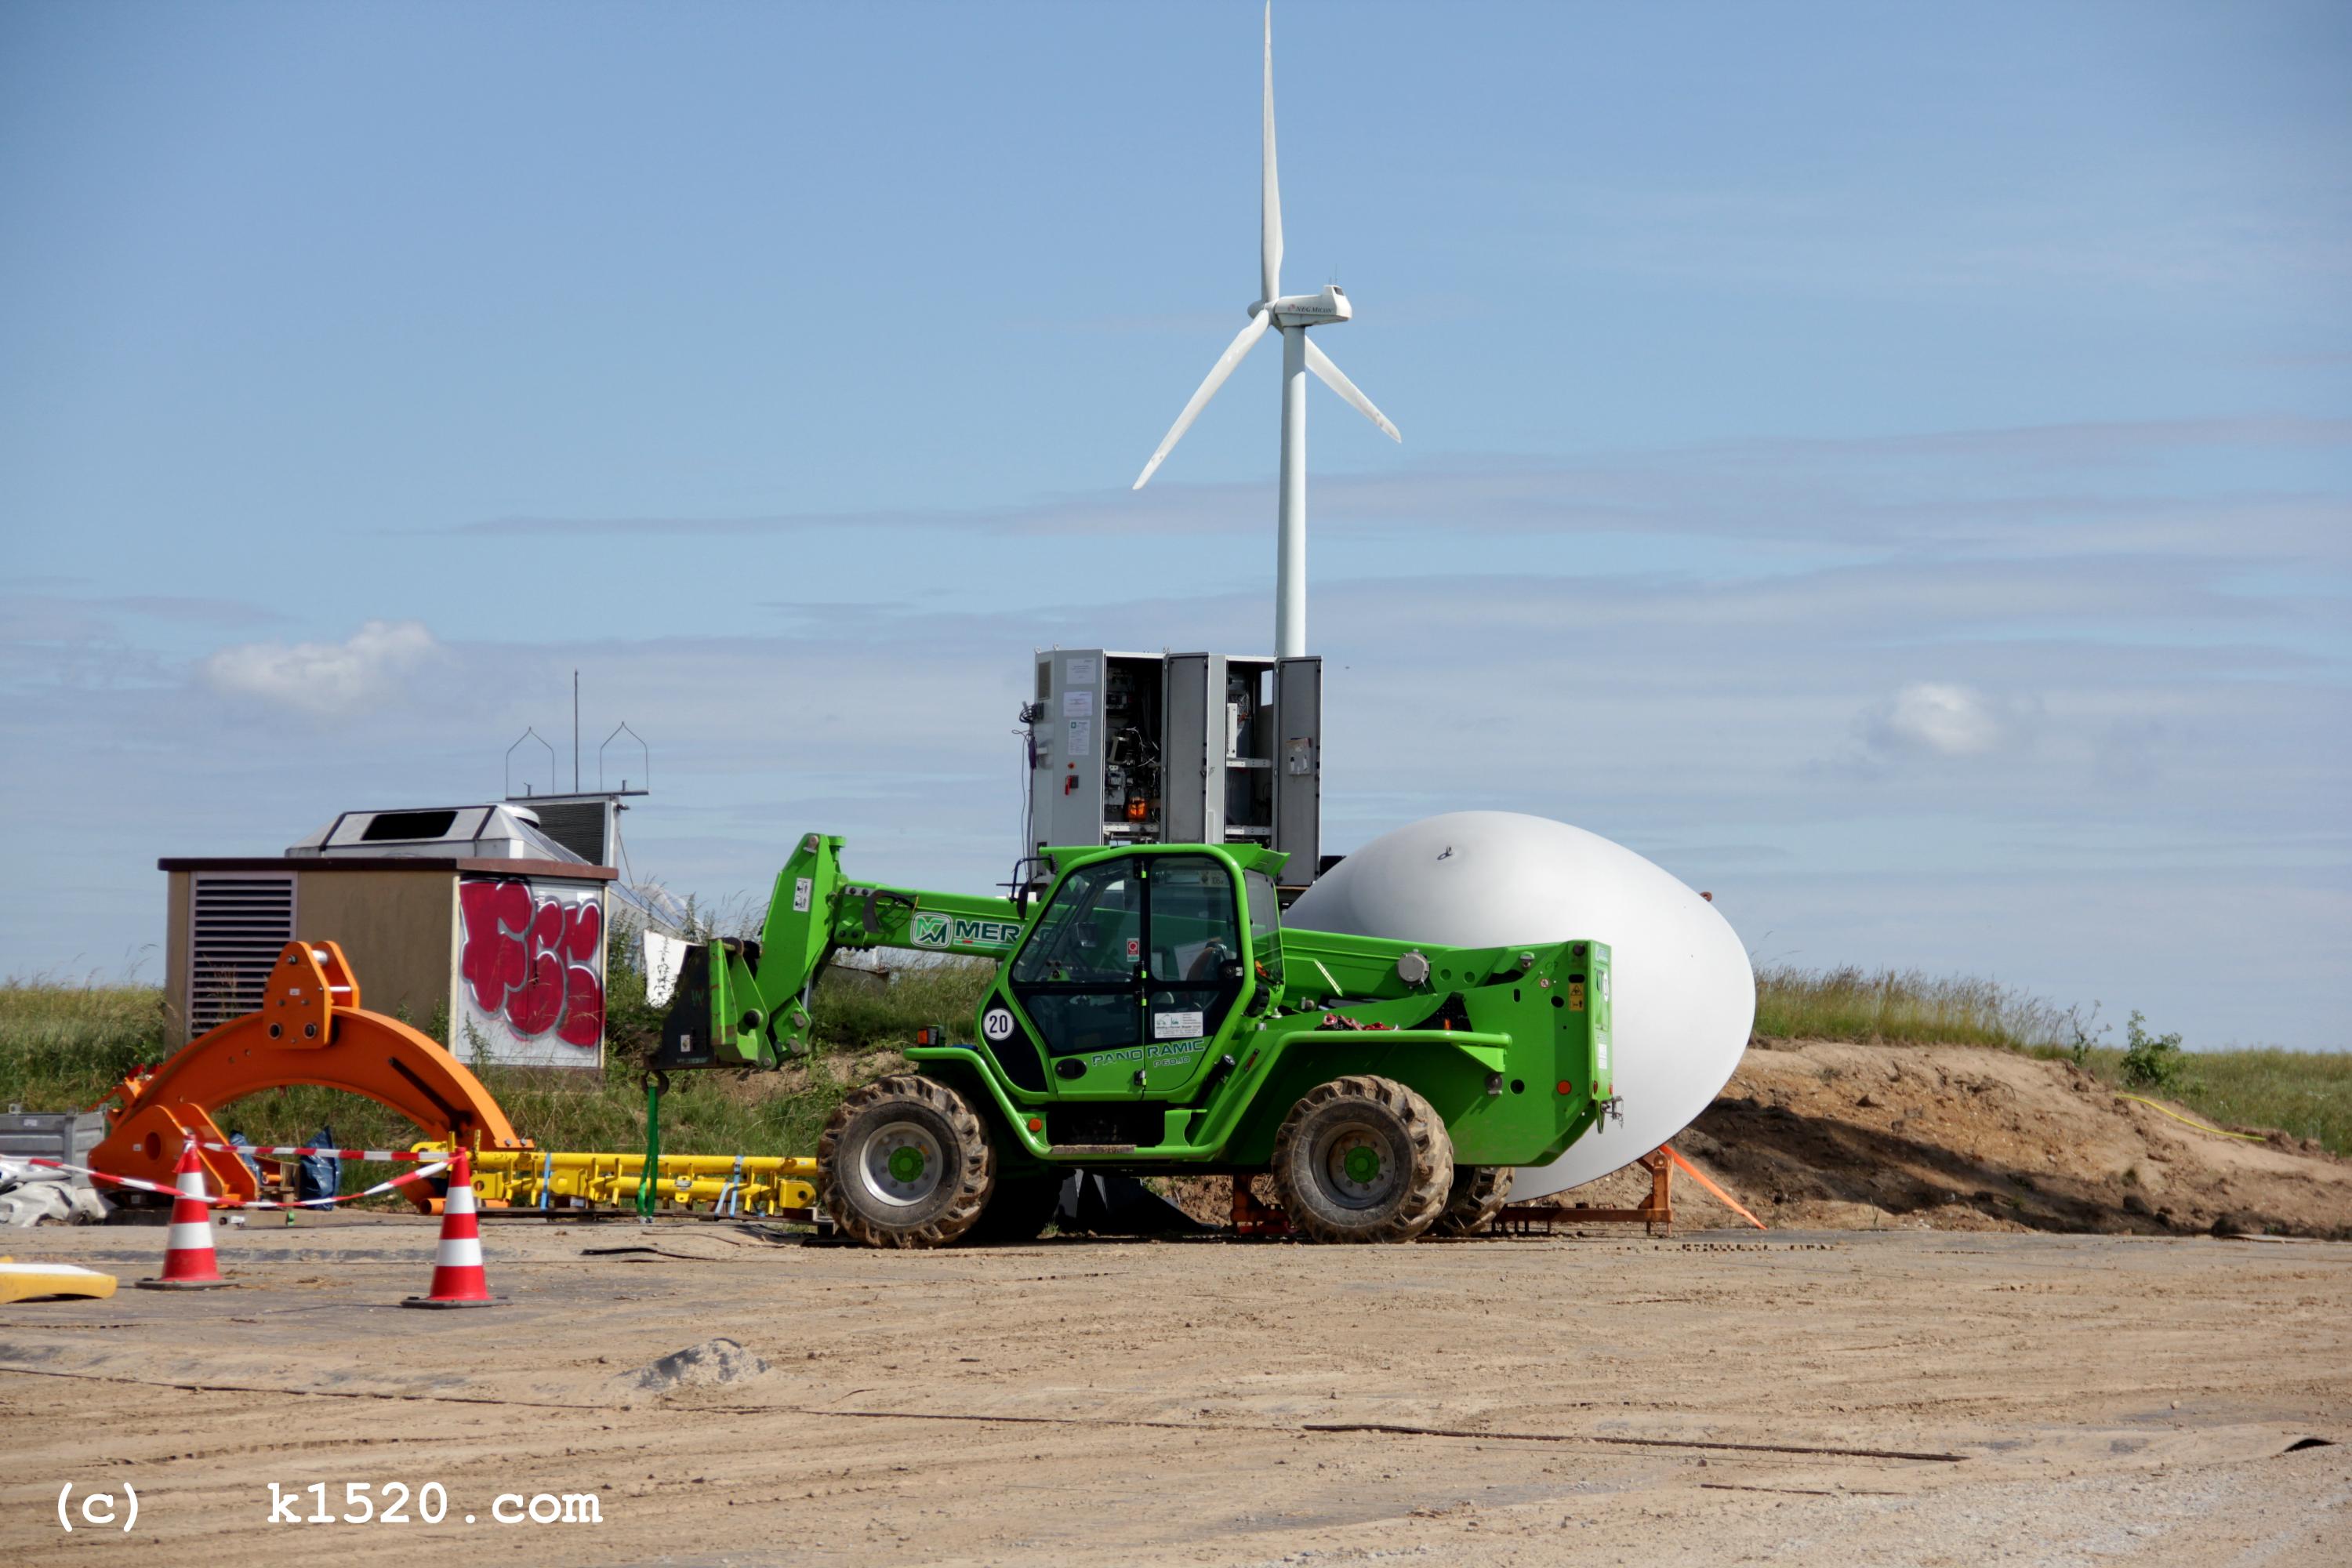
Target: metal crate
{"points": [[64, 1136]]}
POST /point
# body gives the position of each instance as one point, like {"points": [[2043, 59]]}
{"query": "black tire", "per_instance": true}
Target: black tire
{"points": [[1362, 1159], [905, 1162], [1479, 1193], [1018, 1210]]}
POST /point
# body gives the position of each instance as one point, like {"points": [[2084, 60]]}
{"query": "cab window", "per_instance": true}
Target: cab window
{"points": [[1091, 933], [1194, 932], [1265, 925]]}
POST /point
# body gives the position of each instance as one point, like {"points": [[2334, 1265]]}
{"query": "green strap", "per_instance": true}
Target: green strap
{"points": [[649, 1179]]}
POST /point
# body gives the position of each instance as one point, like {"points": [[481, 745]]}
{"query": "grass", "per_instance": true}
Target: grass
{"points": [[64, 1045], [2307, 1093], [1901, 1006]]}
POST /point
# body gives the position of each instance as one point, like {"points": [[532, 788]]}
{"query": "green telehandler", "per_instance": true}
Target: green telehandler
{"points": [[1151, 1015]]}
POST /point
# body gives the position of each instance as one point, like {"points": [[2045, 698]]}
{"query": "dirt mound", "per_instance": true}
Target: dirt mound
{"points": [[1821, 1133]]}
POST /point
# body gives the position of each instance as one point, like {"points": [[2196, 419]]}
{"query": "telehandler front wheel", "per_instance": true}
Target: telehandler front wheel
{"points": [[905, 1161], [1479, 1193], [1362, 1159]]}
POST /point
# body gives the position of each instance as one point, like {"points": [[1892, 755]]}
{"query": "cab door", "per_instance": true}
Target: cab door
{"points": [[1079, 976], [1198, 960]]}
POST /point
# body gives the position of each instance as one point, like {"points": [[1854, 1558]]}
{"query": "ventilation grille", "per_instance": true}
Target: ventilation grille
{"points": [[578, 826], [237, 926]]}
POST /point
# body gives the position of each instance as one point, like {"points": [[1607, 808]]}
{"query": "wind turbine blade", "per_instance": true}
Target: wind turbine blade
{"points": [[1216, 378], [1337, 380], [1269, 219]]}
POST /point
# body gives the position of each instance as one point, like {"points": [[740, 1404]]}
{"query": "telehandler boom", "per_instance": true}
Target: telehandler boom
{"points": [[1151, 1015]]}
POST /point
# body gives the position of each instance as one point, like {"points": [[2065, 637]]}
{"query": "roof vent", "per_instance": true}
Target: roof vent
{"points": [[467, 832]]}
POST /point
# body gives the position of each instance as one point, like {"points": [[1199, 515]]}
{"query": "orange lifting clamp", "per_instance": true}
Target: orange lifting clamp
{"points": [[310, 1029]]}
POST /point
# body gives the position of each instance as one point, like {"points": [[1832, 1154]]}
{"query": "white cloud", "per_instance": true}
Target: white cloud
{"points": [[1939, 720], [329, 679]]}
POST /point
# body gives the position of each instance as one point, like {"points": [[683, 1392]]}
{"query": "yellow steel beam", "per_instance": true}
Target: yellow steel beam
{"points": [[748, 1184]]}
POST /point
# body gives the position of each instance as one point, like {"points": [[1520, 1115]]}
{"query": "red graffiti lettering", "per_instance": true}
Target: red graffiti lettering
{"points": [[533, 962], [583, 1009], [583, 932]]}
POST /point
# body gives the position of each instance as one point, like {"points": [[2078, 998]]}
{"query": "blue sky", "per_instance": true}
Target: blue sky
{"points": [[1890, 465]]}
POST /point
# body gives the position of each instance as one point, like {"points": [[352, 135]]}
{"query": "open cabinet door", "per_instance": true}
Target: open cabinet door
{"points": [[1298, 767]]}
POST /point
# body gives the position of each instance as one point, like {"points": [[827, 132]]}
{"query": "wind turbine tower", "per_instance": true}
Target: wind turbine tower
{"points": [[1293, 315]]}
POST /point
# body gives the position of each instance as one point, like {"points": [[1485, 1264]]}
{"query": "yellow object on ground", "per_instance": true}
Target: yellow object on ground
{"points": [[766, 1184], [2192, 1122], [27, 1281]]}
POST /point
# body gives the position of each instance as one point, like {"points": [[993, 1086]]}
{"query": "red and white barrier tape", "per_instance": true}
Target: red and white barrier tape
{"points": [[280, 1150], [406, 1178]]}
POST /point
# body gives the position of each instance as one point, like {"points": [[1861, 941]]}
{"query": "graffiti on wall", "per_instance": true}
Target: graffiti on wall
{"points": [[530, 973]]}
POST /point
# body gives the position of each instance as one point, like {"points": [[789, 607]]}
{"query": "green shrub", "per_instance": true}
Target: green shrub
{"points": [[2150, 1061], [2087, 1032]]}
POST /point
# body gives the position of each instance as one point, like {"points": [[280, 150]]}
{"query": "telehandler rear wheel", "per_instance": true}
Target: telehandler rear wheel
{"points": [[1362, 1159], [1479, 1193], [905, 1161]]}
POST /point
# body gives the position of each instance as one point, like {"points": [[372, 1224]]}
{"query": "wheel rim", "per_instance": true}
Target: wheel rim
{"points": [[1356, 1171], [903, 1163]]}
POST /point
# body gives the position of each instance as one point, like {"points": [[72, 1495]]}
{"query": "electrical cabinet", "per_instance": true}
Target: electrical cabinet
{"points": [[1177, 748]]}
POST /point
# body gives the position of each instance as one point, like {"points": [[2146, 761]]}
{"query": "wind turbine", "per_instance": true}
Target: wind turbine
{"points": [[1292, 314]]}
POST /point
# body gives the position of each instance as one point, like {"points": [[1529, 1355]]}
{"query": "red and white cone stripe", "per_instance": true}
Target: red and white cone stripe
{"points": [[188, 1249], [188, 1261], [458, 1277], [457, 1261]]}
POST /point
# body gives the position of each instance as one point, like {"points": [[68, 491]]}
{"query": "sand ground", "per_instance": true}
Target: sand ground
{"points": [[1839, 1396]]}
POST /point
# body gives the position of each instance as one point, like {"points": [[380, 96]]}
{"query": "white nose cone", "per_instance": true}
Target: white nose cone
{"points": [[1685, 997]]}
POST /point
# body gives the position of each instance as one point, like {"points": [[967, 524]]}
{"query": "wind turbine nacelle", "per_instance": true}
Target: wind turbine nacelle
{"points": [[1686, 995], [1308, 310]]}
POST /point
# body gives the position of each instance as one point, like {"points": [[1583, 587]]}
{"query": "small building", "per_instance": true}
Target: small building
{"points": [[475, 916]]}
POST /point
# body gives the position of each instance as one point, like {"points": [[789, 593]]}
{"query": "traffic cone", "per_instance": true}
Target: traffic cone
{"points": [[458, 1279], [188, 1261]]}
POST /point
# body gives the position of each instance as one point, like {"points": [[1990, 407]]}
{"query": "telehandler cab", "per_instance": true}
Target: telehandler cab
{"points": [[1151, 1015]]}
